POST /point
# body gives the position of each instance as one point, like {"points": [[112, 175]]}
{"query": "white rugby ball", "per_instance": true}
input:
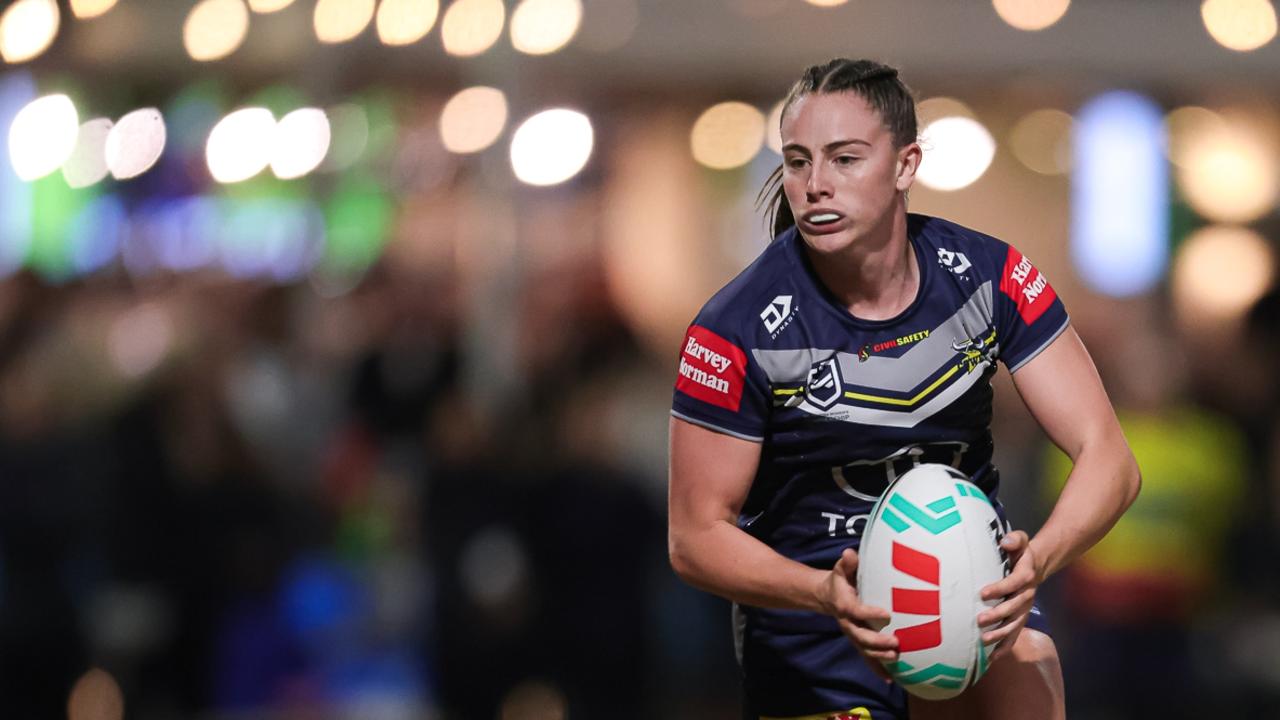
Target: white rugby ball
{"points": [[931, 545]]}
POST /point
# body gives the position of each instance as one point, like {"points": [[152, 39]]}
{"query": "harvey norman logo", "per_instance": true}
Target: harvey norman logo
{"points": [[712, 369], [778, 315]]}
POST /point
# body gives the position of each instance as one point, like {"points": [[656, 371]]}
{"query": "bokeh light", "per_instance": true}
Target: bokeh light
{"points": [[1240, 25], [139, 339], [403, 22], [773, 128], [87, 163], [302, 141], [349, 135], [1119, 194], [607, 25], [472, 26], [27, 29], [268, 6], [957, 151], [1184, 126], [215, 28], [551, 147], [135, 143], [338, 21], [826, 3], [42, 136], [1219, 272], [87, 9], [539, 27], [1031, 15], [240, 145], [1041, 140], [936, 108], [473, 119], [727, 135], [1229, 171]]}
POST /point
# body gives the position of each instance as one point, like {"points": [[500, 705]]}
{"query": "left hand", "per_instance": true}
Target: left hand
{"points": [[1018, 589]]}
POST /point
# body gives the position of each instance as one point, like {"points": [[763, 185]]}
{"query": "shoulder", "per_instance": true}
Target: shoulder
{"points": [[746, 303], [959, 248]]}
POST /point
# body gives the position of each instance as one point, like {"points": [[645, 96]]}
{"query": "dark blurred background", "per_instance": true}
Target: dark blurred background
{"points": [[334, 374]]}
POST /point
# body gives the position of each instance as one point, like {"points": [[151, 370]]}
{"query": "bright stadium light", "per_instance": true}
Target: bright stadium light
{"points": [[135, 143], [1120, 195], [240, 145], [540, 27], [404, 22], [472, 26], [87, 164], [727, 135], [27, 29], [773, 128], [268, 6], [338, 21], [42, 136], [1229, 171], [88, 9], [957, 151], [215, 28], [551, 147], [1031, 15], [473, 119], [1219, 272], [302, 141], [1240, 25]]}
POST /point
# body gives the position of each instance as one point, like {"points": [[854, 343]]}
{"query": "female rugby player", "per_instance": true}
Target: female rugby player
{"points": [[862, 341]]}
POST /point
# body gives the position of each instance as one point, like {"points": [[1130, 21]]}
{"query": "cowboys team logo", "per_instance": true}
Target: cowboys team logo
{"points": [[976, 351], [825, 386]]}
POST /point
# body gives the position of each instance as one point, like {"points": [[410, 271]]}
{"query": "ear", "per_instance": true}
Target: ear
{"points": [[908, 163]]}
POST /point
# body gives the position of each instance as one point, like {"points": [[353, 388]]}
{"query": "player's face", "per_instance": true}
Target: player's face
{"points": [[841, 173]]}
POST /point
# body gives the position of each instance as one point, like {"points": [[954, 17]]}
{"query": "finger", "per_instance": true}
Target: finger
{"points": [[870, 615], [867, 639], [1006, 642], [1015, 541], [1020, 579], [847, 565], [1009, 609]]}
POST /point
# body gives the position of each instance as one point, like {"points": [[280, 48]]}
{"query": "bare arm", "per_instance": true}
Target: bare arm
{"points": [[710, 476], [1062, 390]]}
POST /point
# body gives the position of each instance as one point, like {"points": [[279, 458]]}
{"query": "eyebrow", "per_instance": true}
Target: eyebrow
{"points": [[828, 147]]}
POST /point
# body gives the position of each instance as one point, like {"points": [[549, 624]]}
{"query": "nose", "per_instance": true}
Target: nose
{"points": [[817, 185]]}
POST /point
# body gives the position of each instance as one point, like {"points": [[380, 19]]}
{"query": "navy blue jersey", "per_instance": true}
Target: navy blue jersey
{"points": [[842, 406]]}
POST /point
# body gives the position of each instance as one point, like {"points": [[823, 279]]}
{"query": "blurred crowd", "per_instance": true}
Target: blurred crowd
{"points": [[248, 500]]}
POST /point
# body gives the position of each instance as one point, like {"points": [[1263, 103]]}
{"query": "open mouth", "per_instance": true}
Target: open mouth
{"points": [[822, 218]]}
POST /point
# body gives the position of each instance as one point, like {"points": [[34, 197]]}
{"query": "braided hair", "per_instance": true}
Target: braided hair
{"points": [[875, 83]]}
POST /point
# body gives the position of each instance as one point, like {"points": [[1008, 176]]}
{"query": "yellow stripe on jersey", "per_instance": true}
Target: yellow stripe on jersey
{"points": [[909, 401], [858, 713]]}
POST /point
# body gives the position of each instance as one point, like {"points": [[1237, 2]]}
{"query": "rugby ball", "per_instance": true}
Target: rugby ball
{"points": [[931, 545]]}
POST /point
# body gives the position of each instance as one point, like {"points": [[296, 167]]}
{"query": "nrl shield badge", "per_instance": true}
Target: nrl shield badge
{"points": [[824, 387]]}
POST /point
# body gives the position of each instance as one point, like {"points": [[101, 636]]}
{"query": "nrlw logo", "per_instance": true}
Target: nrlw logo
{"points": [[777, 316]]}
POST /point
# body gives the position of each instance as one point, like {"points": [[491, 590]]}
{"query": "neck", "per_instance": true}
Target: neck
{"points": [[876, 277]]}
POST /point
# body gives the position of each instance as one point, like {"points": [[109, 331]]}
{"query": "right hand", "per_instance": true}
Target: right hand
{"points": [[838, 595]]}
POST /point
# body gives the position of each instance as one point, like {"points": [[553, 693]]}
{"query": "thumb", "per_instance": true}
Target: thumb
{"points": [[847, 565]]}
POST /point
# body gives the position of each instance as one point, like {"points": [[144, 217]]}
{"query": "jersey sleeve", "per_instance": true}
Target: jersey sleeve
{"points": [[718, 386], [1030, 314]]}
